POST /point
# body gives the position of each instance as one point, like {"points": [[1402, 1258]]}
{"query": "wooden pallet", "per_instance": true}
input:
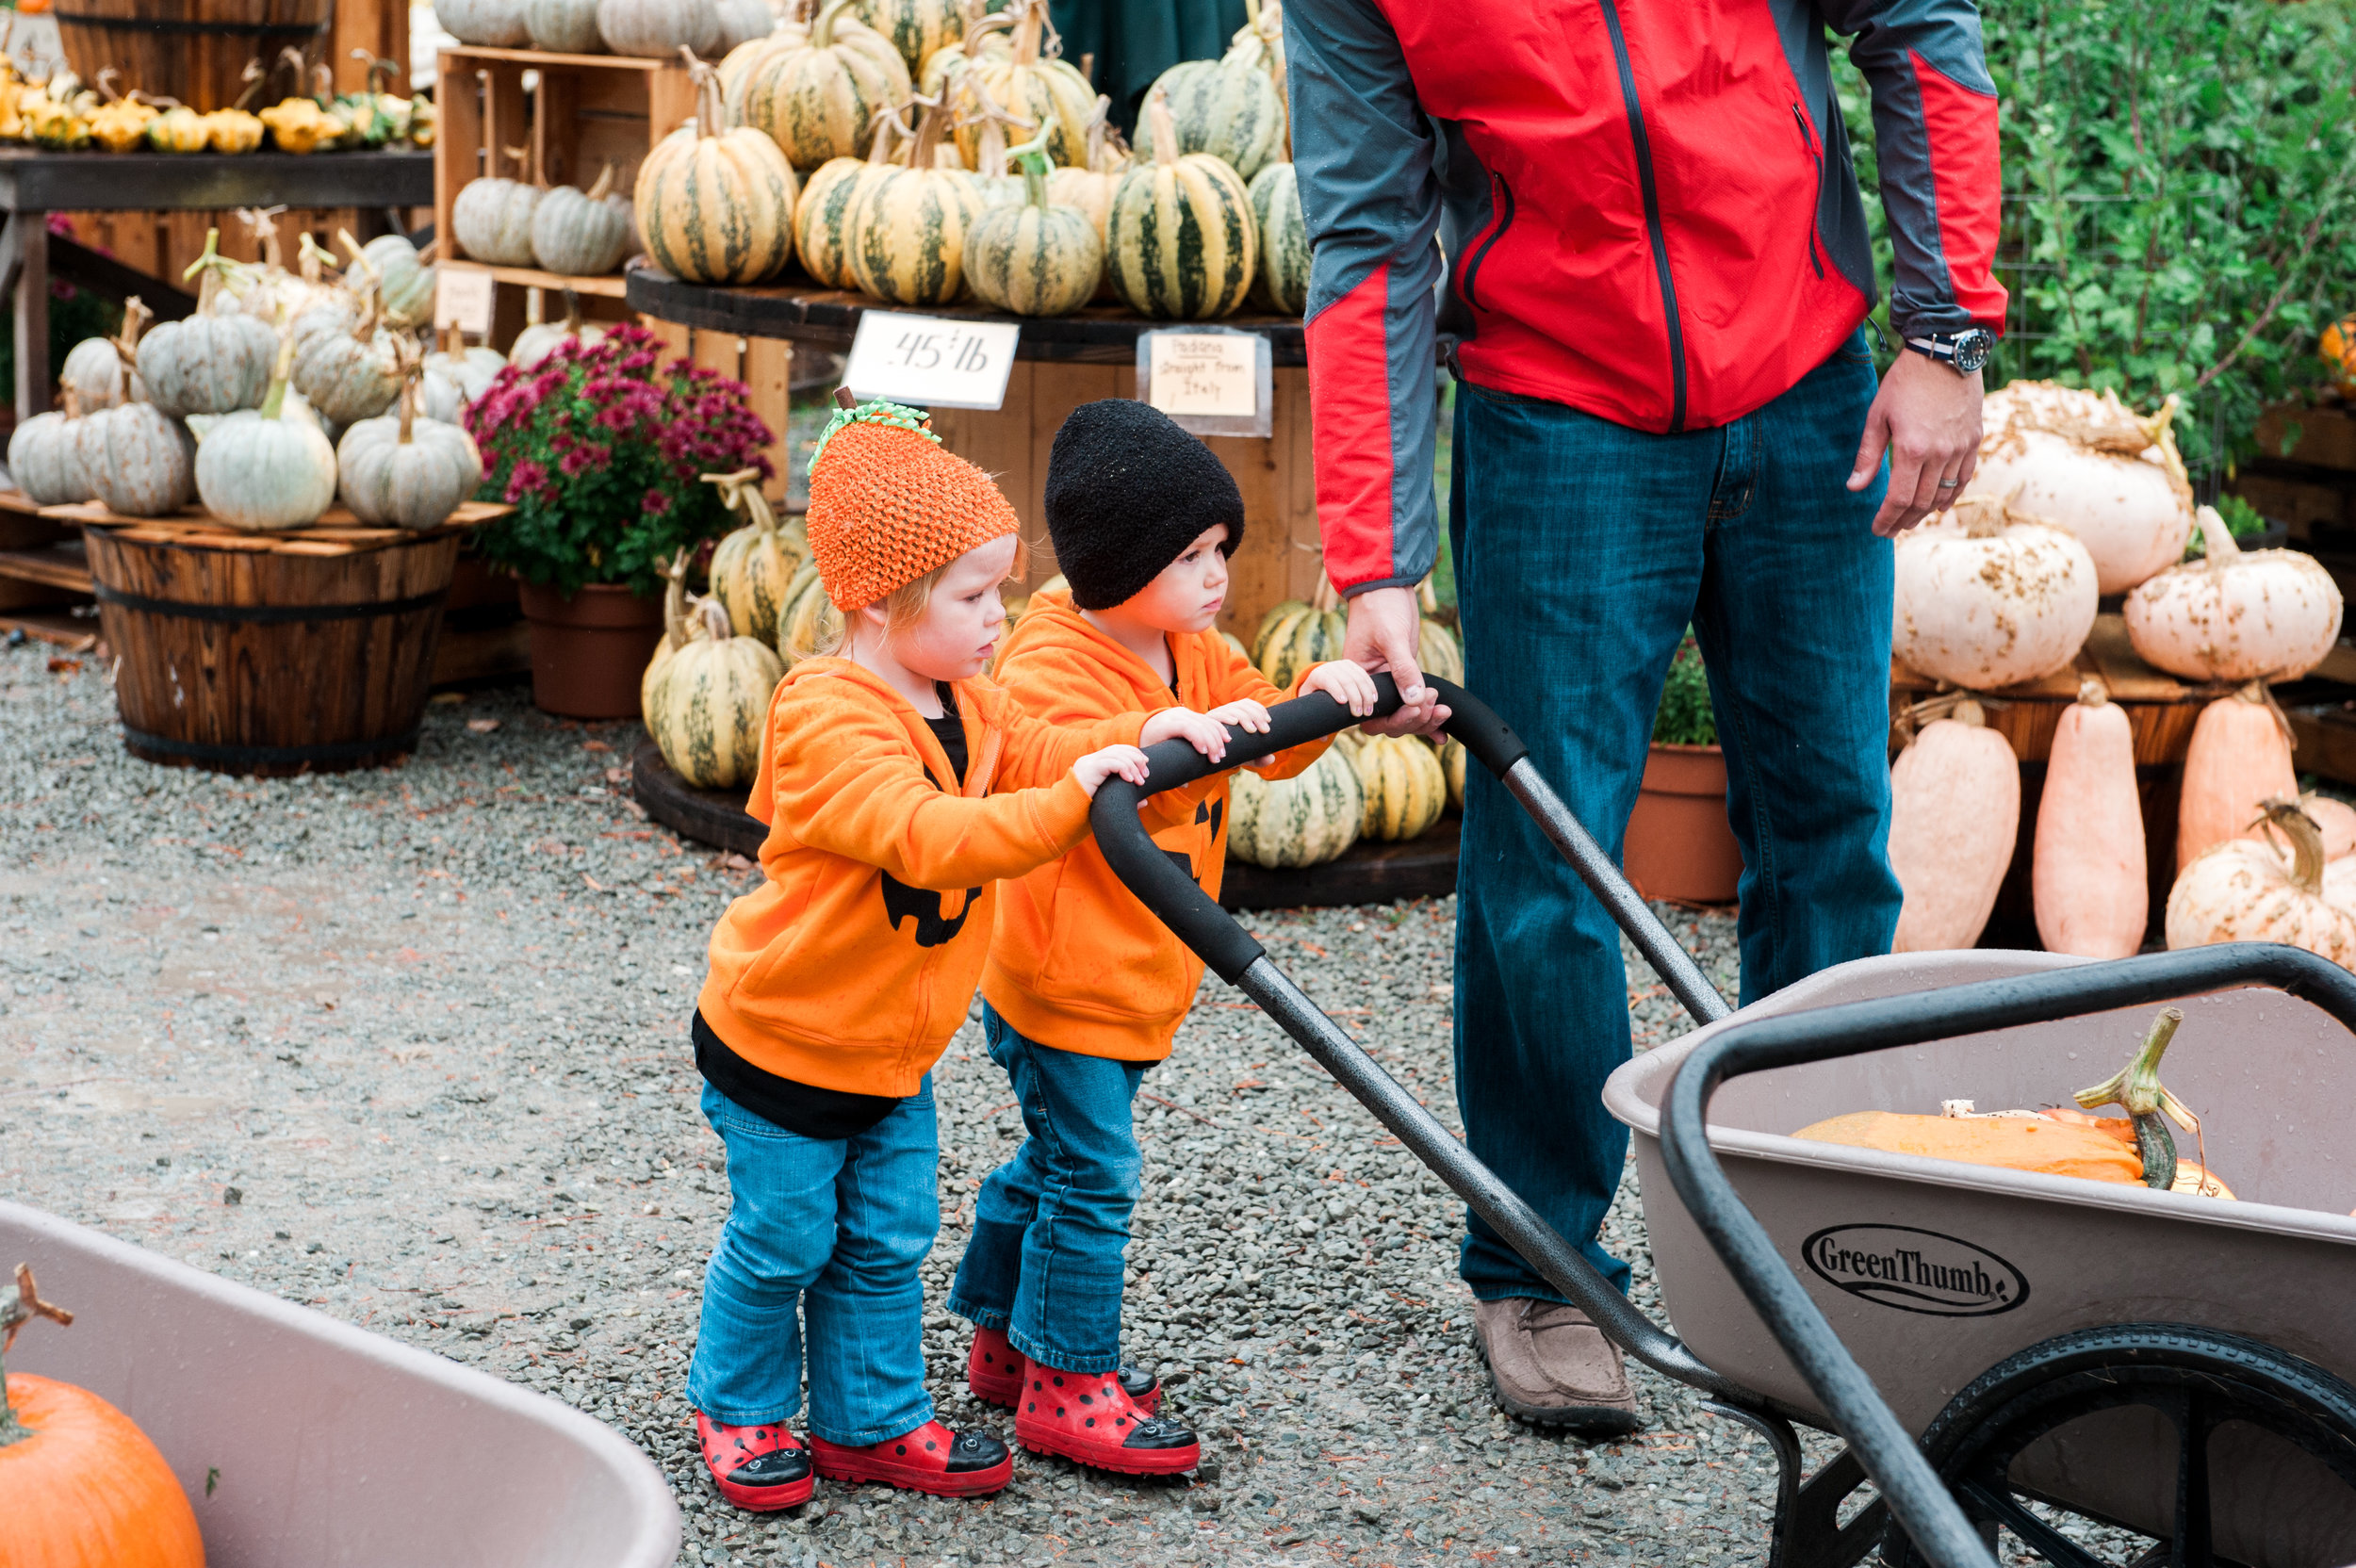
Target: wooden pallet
{"points": [[337, 532]]}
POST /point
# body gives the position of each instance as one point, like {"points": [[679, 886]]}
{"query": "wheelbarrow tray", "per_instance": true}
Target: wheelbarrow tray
{"points": [[307, 1443], [1932, 1273]]}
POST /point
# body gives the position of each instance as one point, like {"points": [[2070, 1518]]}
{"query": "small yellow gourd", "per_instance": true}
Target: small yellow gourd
{"points": [[299, 125], [233, 131], [178, 130]]}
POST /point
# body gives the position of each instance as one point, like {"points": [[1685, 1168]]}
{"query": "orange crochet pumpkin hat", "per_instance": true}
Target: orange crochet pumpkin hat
{"points": [[888, 504]]}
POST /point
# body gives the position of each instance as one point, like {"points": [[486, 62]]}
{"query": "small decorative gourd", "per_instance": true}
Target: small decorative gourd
{"points": [[406, 472], [818, 97], [2239, 757], [2247, 891], [269, 467], [2236, 614], [657, 29], [2087, 877], [716, 204], [233, 131], [918, 29], [1027, 84], [141, 461], [906, 239], [344, 365], [821, 215], [178, 130], [404, 280], [1303, 821], [1090, 184], [678, 629], [541, 339], [1182, 242], [706, 704], [456, 376], [1034, 259], [212, 362], [492, 24], [44, 456], [1227, 107], [1955, 813], [1987, 597], [1294, 635], [1404, 786], [753, 567], [584, 234], [101, 370], [564, 26], [1281, 283], [492, 218]]}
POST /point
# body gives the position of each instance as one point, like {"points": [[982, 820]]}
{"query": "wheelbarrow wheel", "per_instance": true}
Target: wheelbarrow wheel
{"points": [[2198, 1379]]}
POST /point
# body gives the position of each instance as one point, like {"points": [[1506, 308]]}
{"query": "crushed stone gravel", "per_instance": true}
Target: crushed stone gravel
{"points": [[409, 1046]]}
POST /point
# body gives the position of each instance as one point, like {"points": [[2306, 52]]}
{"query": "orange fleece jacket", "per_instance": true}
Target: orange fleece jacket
{"points": [[1076, 962], [854, 962]]}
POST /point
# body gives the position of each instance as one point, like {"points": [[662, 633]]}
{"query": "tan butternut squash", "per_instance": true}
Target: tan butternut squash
{"points": [[2087, 878], [2239, 759], [1954, 811]]}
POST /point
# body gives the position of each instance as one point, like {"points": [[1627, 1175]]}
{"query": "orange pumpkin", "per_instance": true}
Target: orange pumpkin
{"points": [[2333, 349], [2083, 1146]]}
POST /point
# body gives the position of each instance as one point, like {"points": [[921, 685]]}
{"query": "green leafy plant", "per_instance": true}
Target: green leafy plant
{"points": [[1684, 718], [2178, 200]]}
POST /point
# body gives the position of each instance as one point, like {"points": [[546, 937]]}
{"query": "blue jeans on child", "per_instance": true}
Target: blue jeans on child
{"points": [[836, 1228], [1582, 550], [1051, 1224]]}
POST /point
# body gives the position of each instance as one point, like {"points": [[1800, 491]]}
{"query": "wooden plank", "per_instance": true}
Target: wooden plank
{"points": [[556, 127], [60, 628], [506, 121], [472, 655], [670, 101], [720, 352], [2324, 738], [458, 139], [62, 566]]}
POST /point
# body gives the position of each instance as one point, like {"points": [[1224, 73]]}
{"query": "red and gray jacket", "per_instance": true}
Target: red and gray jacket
{"points": [[1647, 209]]}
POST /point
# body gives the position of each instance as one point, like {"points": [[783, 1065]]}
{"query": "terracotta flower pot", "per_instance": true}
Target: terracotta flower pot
{"points": [[588, 651], [1679, 845]]}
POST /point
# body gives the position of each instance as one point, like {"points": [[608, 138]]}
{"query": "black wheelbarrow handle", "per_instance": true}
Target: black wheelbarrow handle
{"points": [[1885, 1449], [1238, 959]]}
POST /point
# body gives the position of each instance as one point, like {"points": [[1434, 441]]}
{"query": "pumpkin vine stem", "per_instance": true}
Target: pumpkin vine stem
{"points": [[279, 376], [19, 1305], [218, 271], [741, 492], [710, 110], [2137, 1090]]}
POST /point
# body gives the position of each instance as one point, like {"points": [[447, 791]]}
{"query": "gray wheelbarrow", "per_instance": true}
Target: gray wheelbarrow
{"points": [[307, 1443], [1997, 1351]]}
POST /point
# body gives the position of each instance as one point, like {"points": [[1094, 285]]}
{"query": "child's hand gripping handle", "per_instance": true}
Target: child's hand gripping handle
{"points": [[1173, 897]]}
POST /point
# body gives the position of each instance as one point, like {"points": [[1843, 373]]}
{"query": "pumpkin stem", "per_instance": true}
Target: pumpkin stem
{"points": [[741, 492], [317, 260], [711, 111], [605, 182], [822, 30], [218, 269], [262, 223], [928, 128], [715, 620], [2137, 1090], [279, 376], [19, 1305], [1026, 32], [1969, 713], [2284, 814], [887, 123], [2092, 693], [1032, 156], [2217, 540], [252, 77], [134, 319], [675, 601], [1165, 128]]}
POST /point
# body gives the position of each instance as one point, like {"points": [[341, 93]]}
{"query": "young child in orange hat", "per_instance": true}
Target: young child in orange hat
{"points": [[899, 787], [1086, 989]]}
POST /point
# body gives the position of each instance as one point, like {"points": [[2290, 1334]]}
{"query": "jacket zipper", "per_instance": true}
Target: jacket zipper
{"points": [[1652, 213], [1808, 140], [1504, 197]]}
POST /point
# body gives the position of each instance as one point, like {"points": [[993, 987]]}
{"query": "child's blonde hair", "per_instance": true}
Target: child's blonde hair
{"points": [[829, 634]]}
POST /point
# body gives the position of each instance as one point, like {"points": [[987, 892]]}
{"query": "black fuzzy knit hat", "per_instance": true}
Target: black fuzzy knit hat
{"points": [[1127, 492]]}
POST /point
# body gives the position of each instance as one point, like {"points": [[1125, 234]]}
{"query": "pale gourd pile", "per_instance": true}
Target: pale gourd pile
{"points": [[922, 153], [282, 393], [2075, 497]]}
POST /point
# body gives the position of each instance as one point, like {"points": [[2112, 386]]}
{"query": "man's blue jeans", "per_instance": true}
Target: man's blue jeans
{"points": [[1582, 549], [836, 1227], [1050, 1224]]}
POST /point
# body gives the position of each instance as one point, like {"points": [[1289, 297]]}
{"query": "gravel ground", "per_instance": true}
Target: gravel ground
{"points": [[409, 1046]]}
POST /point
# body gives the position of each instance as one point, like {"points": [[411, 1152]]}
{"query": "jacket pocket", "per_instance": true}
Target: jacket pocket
{"points": [[1816, 200], [1501, 198]]}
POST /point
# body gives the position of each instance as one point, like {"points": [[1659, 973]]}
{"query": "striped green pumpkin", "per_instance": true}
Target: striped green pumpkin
{"points": [[1047, 93], [706, 703], [1227, 107], [1034, 259], [715, 206], [817, 101], [1303, 821], [752, 567], [918, 29], [821, 219], [1294, 636], [1180, 242], [1404, 786], [1281, 284], [1452, 766], [905, 238], [808, 623], [1440, 654]]}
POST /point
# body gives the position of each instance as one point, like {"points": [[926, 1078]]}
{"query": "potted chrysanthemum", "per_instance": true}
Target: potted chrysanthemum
{"points": [[597, 448], [1679, 845]]}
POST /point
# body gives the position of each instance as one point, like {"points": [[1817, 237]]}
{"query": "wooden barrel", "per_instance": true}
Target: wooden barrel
{"points": [[257, 661], [192, 50]]}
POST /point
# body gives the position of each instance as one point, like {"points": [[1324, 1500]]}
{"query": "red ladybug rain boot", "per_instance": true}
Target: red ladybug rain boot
{"points": [[761, 1469], [931, 1459], [1089, 1418], [994, 1371]]}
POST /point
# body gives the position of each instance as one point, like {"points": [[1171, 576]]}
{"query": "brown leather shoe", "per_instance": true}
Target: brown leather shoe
{"points": [[1548, 1363]]}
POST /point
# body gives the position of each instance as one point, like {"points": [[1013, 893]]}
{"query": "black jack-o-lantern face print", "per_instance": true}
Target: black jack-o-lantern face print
{"points": [[902, 902]]}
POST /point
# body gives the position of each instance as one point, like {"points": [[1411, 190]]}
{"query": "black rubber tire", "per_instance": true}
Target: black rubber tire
{"points": [[2019, 1399]]}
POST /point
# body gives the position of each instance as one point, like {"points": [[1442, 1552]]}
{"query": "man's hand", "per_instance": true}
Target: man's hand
{"points": [[1927, 417], [1385, 625]]}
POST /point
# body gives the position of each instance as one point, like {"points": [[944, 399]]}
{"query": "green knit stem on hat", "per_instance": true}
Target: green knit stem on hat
{"points": [[875, 412]]}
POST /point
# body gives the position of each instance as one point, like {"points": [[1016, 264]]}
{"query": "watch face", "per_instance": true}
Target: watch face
{"points": [[1973, 349]]}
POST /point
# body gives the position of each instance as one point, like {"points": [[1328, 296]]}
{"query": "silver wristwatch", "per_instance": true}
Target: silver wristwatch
{"points": [[1964, 351]]}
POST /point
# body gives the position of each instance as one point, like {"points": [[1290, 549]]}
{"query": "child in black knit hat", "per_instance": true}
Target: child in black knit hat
{"points": [[1084, 990]]}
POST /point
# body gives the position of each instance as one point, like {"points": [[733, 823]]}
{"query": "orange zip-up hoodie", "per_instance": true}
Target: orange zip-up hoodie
{"points": [[1076, 962], [854, 962]]}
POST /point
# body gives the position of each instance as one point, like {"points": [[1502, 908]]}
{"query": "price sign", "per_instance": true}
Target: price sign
{"points": [[1213, 382], [462, 298], [931, 361]]}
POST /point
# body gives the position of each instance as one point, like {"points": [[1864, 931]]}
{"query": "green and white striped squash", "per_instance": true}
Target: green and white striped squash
{"points": [[1452, 757], [809, 625], [406, 472], [1303, 821], [1281, 283], [1440, 654], [822, 217], [752, 567], [918, 29], [1260, 44], [818, 99], [706, 704], [1293, 636], [1046, 93], [677, 630], [992, 35], [905, 238], [211, 362], [737, 66], [269, 467], [715, 204], [1404, 786], [1229, 109], [1181, 243], [1034, 259], [583, 233]]}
